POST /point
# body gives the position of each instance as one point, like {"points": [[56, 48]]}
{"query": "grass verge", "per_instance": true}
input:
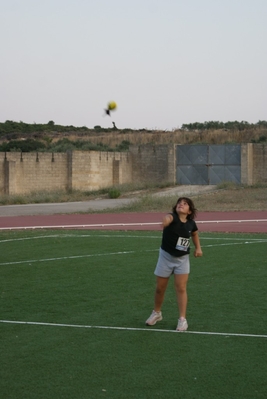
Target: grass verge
{"points": [[226, 197]]}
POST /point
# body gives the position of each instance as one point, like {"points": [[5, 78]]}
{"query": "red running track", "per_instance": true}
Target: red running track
{"points": [[236, 222]]}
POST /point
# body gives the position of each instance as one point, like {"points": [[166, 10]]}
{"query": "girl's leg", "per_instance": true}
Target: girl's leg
{"points": [[162, 283], [180, 281]]}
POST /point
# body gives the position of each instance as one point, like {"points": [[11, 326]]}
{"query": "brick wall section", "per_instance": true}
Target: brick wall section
{"points": [[35, 172], [10, 177], [116, 172], [87, 171], [154, 163], [247, 163], [43, 171], [2, 173], [259, 163], [93, 170]]}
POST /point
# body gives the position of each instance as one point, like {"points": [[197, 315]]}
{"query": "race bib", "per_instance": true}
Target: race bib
{"points": [[182, 244]]}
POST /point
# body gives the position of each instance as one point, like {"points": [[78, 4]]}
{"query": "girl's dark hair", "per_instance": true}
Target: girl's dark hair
{"points": [[192, 208]]}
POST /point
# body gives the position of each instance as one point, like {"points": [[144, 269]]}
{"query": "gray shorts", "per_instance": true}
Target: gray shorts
{"points": [[168, 264]]}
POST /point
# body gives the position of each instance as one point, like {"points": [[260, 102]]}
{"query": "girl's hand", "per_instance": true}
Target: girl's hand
{"points": [[198, 252]]}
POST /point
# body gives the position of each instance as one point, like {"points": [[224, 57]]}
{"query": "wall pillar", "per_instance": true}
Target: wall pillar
{"points": [[247, 164], [69, 170], [172, 164], [116, 172], [10, 177]]}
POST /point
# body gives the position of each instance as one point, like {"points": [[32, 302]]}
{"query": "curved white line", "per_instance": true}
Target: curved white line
{"points": [[148, 329]]}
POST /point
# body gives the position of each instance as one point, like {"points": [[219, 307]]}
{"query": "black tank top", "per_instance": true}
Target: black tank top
{"points": [[176, 236]]}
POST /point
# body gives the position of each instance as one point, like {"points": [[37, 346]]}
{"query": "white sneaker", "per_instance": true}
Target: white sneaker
{"points": [[182, 325], [153, 318]]}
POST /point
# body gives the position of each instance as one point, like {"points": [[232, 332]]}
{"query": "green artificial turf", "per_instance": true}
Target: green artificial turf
{"points": [[87, 296]]}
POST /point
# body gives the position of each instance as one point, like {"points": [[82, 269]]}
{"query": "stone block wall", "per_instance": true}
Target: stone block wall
{"points": [[92, 170], [28, 172], [253, 163], [247, 164], [22, 173], [259, 163], [154, 163]]}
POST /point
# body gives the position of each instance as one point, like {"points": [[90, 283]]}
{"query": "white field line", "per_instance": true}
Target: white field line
{"points": [[69, 257], [120, 236], [30, 261], [81, 236], [68, 226], [130, 329], [233, 243], [232, 221]]}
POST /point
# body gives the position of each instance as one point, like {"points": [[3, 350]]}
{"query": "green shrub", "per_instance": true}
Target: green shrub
{"points": [[123, 146], [114, 193], [27, 145], [261, 139]]}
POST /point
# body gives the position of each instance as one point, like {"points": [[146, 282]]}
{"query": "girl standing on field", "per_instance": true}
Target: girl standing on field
{"points": [[178, 227]]}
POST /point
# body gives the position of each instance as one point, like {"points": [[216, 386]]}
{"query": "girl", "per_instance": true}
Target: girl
{"points": [[178, 227]]}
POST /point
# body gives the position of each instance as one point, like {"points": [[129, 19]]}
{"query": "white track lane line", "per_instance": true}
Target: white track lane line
{"points": [[116, 253], [130, 329], [124, 236], [69, 257], [73, 226]]}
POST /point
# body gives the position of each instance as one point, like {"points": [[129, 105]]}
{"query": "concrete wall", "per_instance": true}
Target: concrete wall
{"points": [[78, 170], [154, 163], [259, 165], [28, 172], [247, 164], [93, 170], [253, 163]]}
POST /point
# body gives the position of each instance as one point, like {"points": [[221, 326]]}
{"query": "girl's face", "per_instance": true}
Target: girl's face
{"points": [[183, 207]]}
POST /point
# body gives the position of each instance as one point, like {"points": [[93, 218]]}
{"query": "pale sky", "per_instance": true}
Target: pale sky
{"points": [[164, 62]]}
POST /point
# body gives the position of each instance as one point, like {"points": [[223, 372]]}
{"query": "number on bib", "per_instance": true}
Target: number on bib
{"points": [[182, 244]]}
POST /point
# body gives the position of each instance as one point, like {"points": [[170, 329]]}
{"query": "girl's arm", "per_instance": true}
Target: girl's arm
{"points": [[167, 220], [196, 241]]}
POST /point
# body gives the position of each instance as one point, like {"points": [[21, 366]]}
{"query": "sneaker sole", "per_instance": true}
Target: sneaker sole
{"points": [[182, 329], [149, 324]]}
